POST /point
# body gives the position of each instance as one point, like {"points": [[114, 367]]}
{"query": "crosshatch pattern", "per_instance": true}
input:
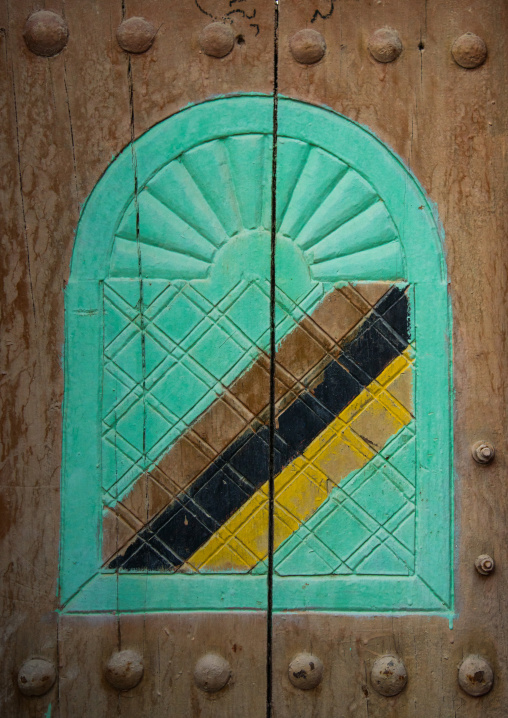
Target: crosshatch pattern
{"points": [[168, 328], [344, 389]]}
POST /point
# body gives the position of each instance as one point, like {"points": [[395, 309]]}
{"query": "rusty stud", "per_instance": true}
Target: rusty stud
{"points": [[136, 35], [475, 676], [211, 673], [36, 676], [46, 33], [483, 452], [124, 670], [385, 44], [217, 39], [307, 46], [305, 671], [469, 51], [484, 564], [388, 675]]}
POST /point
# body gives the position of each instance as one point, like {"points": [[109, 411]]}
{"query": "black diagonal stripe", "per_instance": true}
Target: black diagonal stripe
{"points": [[242, 468]]}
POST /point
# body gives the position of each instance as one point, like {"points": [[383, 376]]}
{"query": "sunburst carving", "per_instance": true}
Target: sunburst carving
{"points": [[200, 200]]}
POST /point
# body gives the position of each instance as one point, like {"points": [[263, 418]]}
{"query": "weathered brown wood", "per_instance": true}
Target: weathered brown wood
{"points": [[447, 124], [38, 206], [170, 646], [63, 120], [176, 72]]}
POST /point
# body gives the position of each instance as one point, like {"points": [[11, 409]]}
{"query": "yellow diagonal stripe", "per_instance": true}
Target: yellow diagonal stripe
{"points": [[346, 445]]}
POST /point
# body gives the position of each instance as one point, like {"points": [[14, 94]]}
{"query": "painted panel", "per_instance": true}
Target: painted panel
{"points": [[169, 304]]}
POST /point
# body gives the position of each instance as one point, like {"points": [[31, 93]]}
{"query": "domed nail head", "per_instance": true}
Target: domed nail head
{"points": [[475, 676], [305, 671], [469, 51], [307, 46], [124, 670], [212, 673], [36, 676], [388, 675], [217, 39], [136, 35], [385, 45], [45, 33]]}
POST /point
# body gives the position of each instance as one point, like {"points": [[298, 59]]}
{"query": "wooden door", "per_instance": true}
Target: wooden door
{"points": [[254, 413]]}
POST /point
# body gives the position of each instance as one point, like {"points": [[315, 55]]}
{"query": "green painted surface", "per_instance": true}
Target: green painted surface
{"points": [[348, 210], [367, 524]]}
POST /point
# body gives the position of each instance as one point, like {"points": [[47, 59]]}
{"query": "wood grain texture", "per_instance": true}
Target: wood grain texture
{"points": [[177, 72], [170, 646], [38, 206], [63, 121], [447, 124]]}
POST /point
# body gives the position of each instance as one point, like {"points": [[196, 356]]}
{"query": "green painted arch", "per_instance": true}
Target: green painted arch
{"points": [[347, 210], [309, 137]]}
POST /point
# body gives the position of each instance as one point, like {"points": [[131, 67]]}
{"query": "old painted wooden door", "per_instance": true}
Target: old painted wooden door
{"points": [[254, 326]]}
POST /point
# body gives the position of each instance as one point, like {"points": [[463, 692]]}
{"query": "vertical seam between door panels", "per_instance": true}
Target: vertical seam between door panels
{"points": [[130, 81], [271, 477]]}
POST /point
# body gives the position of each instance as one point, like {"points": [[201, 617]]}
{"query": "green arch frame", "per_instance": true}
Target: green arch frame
{"points": [[84, 586]]}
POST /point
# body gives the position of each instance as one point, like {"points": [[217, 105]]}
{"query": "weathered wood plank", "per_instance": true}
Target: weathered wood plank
{"points": [[73, 116], [446, 123]]}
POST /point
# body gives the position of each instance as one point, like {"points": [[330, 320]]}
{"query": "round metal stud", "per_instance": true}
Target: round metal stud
{"points": [[475, 676], [124, 670], [484, 564], [217, 39], [385, 44], [211, 673], [307, 46], [46, 33], [388, 675], [469, 51], [36, 676], [136, 35], [305, 671], [483, 452]]}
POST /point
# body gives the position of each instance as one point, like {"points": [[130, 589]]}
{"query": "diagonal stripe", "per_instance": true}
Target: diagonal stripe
{"points": [[302, 486], [243, 401], [228, 482]]}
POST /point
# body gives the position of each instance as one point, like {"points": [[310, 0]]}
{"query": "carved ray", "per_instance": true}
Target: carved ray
{"points": [[384, 262], [371, 228], [291, 158], [349, 198], [178, 191], [160, 227], [250, 166], [156, 262], [318, 178], [208, 165]]}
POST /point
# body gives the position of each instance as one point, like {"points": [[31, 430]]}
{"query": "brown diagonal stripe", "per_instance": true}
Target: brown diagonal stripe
{"points": [[244, 403]]}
